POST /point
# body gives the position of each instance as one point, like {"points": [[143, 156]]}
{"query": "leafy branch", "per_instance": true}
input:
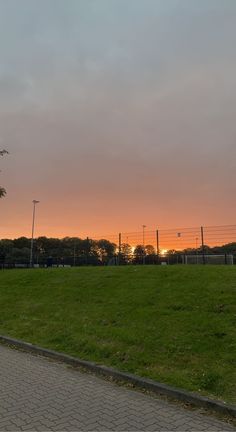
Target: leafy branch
{"points": [[2, 190]]}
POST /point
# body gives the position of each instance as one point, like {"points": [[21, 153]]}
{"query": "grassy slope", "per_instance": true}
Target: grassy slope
{"points": [[173, 324]]}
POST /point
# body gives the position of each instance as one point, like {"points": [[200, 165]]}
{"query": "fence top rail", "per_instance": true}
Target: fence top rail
{"points": [[233, 226]]}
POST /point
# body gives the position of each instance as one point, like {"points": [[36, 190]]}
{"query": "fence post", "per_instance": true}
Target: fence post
{"points": [[158, 245], [203, 247], [119, 253]]}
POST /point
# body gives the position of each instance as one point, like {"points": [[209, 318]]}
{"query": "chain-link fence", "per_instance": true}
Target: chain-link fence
{"points": [[177, 245], [197, 245]]}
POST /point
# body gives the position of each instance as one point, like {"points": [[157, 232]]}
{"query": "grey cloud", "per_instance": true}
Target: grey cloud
{"points": [[146, 88]]}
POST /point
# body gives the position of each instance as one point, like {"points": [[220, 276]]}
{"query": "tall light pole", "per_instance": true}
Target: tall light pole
{"points": [[32, 236], [179, 236], [144, 226]]}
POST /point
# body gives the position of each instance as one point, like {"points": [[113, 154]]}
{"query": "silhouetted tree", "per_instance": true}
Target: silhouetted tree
{"points": [[227, 248], [21, 242], [106, 249], [139, 253], [150, 250], [126, 253], [6, 247]]}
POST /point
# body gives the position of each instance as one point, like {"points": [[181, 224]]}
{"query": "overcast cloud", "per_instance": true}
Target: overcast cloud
{"points": [[117, 113]]}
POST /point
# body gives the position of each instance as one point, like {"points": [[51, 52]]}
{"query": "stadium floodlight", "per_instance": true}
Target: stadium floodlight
{"points": [[32, 236]]}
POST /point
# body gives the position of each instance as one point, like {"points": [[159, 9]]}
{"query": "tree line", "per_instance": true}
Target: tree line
{"points": [[71, 251], [77, 251]]}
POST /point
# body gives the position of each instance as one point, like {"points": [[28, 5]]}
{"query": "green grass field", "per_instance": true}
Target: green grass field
{"points": [[173, 324]]}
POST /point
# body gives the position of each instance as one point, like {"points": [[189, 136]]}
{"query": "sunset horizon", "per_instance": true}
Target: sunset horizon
{"points": [[117, 114], [117, 215]]}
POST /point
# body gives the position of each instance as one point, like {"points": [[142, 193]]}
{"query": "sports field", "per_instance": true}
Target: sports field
{"points": [[175, 324]]}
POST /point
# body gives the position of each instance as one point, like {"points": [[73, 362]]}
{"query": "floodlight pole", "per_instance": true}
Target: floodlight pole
{"points": [[203, 245], [119, 253], [32, 236], [157, 241]]}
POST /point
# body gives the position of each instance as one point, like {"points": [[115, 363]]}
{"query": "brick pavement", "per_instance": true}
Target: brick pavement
{"points": [[41, 395]]}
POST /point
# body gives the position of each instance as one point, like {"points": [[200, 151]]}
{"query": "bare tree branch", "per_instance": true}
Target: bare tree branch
{"points": [[2, 190], [3, 152]]}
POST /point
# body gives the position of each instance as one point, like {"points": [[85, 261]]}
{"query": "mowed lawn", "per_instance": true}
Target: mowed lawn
{"points": [[175, 324]]}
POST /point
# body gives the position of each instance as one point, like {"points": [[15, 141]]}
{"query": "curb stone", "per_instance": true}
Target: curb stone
{"points": [[142, 383]]}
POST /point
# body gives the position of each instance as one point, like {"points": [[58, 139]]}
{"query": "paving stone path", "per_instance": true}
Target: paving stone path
{"points": [[41, 395]]}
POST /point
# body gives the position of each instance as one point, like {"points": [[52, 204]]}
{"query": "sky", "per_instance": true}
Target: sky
{"points": [[117, 113]]}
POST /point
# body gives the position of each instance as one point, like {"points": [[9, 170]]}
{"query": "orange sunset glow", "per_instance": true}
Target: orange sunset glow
{"points": [[117, 215], [117, 119]]}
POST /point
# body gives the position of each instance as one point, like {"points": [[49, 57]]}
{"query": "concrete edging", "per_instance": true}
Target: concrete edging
{"points": [[143, 383]]}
